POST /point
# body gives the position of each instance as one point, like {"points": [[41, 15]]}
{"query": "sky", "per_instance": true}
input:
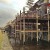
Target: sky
{"points": [[10, 8]]}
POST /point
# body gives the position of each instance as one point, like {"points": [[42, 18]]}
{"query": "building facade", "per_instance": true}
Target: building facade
{"points": [[30, 26], [33, 25]]}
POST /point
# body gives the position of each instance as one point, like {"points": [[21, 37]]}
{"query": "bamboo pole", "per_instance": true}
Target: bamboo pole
{"points": [[24, 26], [15, 32], [37, 25], [20, 25], [48, 22], [37, 30], [48, 27]]}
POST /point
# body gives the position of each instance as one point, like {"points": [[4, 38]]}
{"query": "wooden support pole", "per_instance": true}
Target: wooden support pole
{"points": [[23, 29], [20, 25], [37, 30], [37, 26], [15, 32], [48, 27], [24, 25]]}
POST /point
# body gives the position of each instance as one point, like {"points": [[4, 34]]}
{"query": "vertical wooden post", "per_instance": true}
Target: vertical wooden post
{"points": [[37, 26], [48, 22], [24, 26], [15, 31], [23, 29], [20, 25], [37, 30], [48, 27]]}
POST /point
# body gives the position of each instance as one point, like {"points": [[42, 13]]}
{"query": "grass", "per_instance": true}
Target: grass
{"points": [[1, 38]]}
